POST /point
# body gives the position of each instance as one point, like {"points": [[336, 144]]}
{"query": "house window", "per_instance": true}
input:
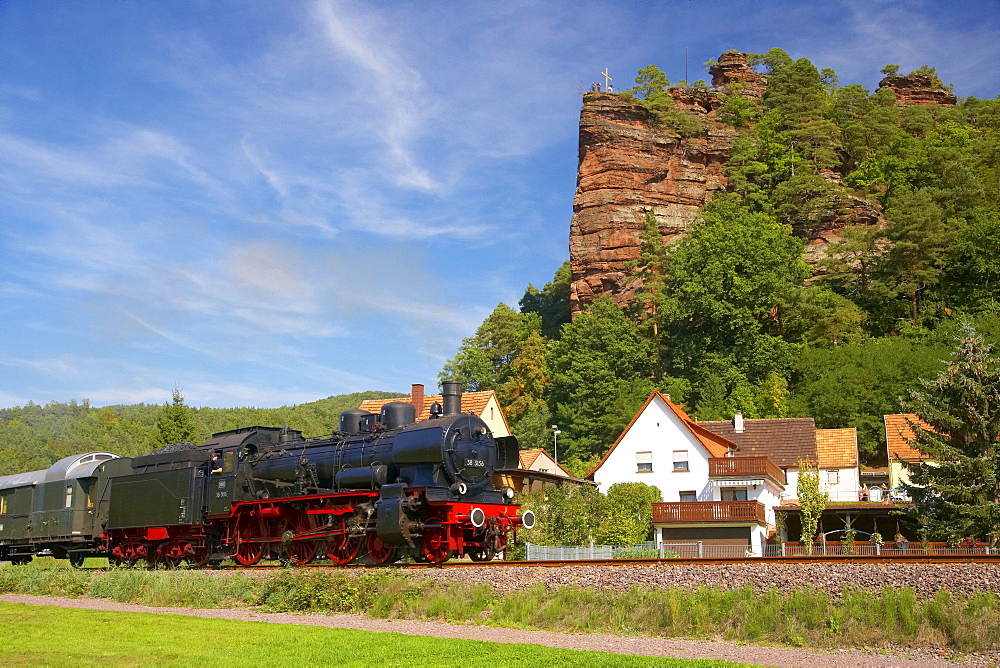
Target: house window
{"points": [[687, 497], [644, 462], [543, 470], [833, 477], [681, 460], [734, 494]]}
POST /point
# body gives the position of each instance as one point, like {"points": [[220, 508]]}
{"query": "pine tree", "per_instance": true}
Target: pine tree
{"points": [[958, 495], [174, 422]]}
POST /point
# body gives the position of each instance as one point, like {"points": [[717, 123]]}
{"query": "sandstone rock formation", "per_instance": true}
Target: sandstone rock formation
{"points": [[915, 89], [629, 165], [732, 72]]}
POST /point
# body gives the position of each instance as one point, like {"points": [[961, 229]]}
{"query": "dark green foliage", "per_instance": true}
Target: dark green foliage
{"points": [[552, 303], [727, 279], [652, 89], [174, 422], [600, 372], [855, 384], [483, 360], [574, 515], [958, 496]]}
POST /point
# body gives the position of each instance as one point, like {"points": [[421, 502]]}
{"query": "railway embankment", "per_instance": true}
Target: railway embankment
{"points": [[925, 579]]}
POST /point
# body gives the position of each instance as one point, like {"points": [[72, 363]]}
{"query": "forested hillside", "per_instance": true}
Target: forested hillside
{"points": [[731, 317], [33, 437]]}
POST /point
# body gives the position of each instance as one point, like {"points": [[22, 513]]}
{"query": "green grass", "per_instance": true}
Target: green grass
{"points": [[800, 617], [35, 635]]}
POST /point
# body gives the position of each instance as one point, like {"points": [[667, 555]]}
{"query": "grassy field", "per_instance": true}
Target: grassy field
{"points": [[801, 617], [41, 636]]}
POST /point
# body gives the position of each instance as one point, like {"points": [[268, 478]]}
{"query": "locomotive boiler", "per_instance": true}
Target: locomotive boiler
{"points": [[381, 488]]}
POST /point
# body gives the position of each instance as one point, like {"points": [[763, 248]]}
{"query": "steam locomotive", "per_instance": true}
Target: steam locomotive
{"points": [[381, 488]]}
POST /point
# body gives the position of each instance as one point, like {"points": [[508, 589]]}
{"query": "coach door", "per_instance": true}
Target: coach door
{"points": [[221, 484]]}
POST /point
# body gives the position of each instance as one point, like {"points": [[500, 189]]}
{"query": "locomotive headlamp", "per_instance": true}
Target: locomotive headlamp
{"points": [[508, 492], [481, 431], [460, 488]]}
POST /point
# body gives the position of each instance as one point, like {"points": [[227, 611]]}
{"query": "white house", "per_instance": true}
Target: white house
{"points": [[837, 454], [536, 459], [713, 495]]}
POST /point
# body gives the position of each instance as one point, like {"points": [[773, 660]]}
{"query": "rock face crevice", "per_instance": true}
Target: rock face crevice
{"points": [[629, 164]]}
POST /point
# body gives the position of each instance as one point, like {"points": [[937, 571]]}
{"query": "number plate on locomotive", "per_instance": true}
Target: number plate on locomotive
{"points": [[475, 462]]}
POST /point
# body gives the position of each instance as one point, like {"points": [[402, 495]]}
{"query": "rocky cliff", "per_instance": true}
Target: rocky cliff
{"points": [[629, 164], [915, 89]]}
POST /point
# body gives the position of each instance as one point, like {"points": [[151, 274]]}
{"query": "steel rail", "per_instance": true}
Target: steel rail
{"points": [[923, 559]]}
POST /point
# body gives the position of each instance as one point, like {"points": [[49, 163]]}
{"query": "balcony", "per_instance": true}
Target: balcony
{"points": [[709, 511], [745, 467]]}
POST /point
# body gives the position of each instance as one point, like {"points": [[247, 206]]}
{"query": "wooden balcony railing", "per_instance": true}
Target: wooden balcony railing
{"points": [[709, 511], [745, 467]]}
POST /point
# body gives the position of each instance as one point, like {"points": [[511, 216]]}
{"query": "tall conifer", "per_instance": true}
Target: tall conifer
{"points": [[956, 494]]}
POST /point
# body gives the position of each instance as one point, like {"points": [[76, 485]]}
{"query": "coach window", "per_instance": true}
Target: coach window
{"points": [[680, 460], [69, 496], [229, 461], [3, 505], [644, 462]]}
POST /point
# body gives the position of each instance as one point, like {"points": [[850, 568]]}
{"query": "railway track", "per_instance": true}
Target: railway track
{"points": [[847, 559]]}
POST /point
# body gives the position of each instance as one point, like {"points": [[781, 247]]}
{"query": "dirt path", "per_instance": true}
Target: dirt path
{"points": [[667, 647]]}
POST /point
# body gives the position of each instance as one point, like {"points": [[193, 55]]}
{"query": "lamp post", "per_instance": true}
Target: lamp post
{"points": [[555, 440]]}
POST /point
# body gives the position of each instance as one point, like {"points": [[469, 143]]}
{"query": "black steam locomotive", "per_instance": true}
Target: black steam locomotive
{"points": [[382, 488]]}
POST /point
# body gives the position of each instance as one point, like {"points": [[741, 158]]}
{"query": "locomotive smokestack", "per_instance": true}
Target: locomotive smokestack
{"points": [[451, 392]]}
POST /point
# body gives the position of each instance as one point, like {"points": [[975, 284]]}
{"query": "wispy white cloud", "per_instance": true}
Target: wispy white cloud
{"points": [[398, 89], [60, 365]]}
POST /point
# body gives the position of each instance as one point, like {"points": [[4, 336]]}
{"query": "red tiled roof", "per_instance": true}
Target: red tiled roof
{"points": [[784, 440], [898, 433], [472, 402], [717, 446], [837, 448], [528, 457]]}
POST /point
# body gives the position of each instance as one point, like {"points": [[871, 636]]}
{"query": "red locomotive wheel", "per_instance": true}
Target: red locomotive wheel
{"points": [[379, 552], [298, 552], [248, 551], [342, 548], [436, 545], [131, 551], [169, 554], [197, 555]]}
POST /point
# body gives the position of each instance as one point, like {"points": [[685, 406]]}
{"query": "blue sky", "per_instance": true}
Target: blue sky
{"points": [[266, 203]]}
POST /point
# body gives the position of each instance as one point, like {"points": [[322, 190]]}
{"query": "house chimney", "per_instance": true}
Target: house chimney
{"points": [[738, 422], [417, 397]]}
